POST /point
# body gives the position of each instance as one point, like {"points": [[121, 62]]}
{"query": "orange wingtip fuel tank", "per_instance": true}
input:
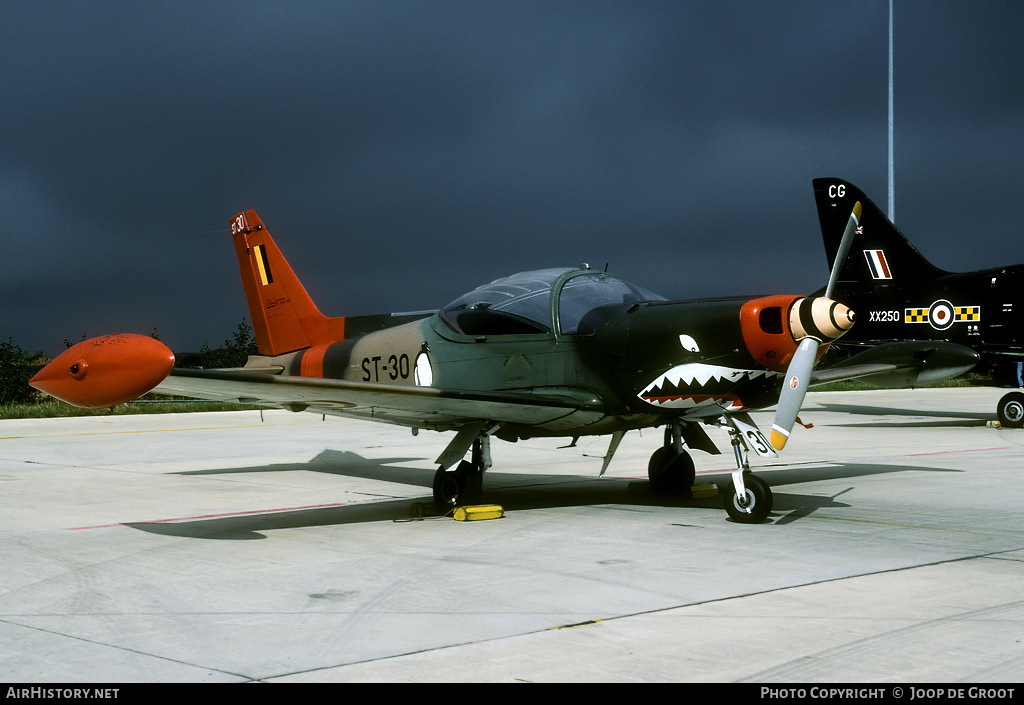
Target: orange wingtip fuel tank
{"points": [[106, 371]]}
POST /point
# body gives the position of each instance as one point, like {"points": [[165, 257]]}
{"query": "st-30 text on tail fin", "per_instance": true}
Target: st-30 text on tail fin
{"points": [[284, 317]]}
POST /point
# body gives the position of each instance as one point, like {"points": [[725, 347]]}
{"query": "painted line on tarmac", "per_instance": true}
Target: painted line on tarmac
{"points": [[967, 450]]}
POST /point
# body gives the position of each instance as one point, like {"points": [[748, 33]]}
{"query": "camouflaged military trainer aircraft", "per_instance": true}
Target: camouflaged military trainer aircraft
{"points": [[554, 352]]}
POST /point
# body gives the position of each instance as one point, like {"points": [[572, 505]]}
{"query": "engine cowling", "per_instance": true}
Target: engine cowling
{"points": [[773, 326]]}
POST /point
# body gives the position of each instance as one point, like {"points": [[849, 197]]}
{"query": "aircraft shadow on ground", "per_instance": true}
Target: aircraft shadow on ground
{"points": [[338, 462], [952, 418], [514, 492]]}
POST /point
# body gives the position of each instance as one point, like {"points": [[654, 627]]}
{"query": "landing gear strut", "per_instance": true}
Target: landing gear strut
{"points": [[748, 499]]}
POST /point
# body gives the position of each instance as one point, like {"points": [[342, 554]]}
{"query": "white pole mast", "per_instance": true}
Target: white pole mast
{"points": [[892, 187]]}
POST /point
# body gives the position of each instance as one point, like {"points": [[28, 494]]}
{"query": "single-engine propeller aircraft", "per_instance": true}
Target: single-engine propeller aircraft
{"points": [[901, 296], [554, 352]]}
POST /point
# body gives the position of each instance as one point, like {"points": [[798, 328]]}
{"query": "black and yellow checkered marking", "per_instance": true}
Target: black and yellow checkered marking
{"points": [[916, 315], [961, 314], [967, 313]]}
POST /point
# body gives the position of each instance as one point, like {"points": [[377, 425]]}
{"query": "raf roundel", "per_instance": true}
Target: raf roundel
{"points": [[940, 315]]}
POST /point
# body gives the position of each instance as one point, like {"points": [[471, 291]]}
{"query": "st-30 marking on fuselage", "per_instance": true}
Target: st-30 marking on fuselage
{"points": [[397, 367]]}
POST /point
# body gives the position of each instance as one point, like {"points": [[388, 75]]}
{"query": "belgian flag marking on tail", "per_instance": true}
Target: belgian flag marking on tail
{"points": [[263, 265]]}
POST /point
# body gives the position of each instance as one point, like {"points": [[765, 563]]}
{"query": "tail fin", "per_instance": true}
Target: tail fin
{"points": [[881, 256], [284, 317]]}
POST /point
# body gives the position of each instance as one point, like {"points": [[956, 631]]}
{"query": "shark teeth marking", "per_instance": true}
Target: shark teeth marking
{"points": [[687, 386], [700, 374]]}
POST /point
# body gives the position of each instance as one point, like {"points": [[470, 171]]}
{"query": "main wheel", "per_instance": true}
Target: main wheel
{"points": [[1011, 410], [463, 485], [448, 485], [670, 471], [758, 499]]}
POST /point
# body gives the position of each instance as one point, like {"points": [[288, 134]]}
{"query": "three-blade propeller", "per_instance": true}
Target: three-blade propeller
{"points": [[798, 374]]}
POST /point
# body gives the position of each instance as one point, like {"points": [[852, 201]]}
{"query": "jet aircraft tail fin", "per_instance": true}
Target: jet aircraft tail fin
{"points": [[284, 317], [881, 255]]}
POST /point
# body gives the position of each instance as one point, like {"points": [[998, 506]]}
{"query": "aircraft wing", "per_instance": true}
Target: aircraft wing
{"points": [[418, 407]]}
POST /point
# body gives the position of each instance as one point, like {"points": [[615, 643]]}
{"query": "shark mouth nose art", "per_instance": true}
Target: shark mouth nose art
{"points": [[697, 383]]}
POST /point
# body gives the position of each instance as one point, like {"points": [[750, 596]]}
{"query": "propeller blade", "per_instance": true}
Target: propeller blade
{"points": [[798, 374], [798, 377], [844, 248]]}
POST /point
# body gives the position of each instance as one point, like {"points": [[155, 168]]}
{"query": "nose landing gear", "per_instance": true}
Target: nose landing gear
{"points": [[748, 499]]}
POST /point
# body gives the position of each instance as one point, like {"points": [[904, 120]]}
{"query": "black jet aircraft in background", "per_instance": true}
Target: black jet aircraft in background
{"points": [[901, 296], [564, 352]]}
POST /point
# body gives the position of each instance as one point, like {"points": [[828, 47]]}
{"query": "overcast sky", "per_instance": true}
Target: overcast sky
{"points": [[402, 153]]}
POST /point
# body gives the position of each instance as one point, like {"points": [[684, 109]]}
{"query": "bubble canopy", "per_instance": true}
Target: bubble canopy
{"points": [[543, 301]]}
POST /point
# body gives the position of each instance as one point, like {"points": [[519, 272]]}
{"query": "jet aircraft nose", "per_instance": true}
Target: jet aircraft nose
{"points": [[106, 371]]}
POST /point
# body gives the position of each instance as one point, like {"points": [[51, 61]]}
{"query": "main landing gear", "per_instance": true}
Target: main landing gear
{"points": [[748, 499], [671, 469], [1011, 410], [464, 484]]}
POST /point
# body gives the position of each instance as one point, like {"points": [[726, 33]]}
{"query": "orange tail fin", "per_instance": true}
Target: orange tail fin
{"points": [[284, 317]]}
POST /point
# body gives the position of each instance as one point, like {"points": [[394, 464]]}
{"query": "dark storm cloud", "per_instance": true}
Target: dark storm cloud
{"points": [[402, 152]]}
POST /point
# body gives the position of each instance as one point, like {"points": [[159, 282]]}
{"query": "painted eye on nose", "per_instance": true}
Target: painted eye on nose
{"points": [[689, 343]]}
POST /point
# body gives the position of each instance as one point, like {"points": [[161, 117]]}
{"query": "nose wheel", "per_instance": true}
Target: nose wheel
{"points": [[748, 499], [753, 505]]}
